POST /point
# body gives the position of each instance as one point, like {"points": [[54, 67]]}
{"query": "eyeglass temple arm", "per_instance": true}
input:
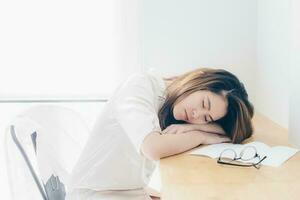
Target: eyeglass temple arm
{"points": [[261, 160], [227, 163], [255, 164]]}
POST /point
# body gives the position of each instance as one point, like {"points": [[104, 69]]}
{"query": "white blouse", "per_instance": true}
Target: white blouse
{"points": [[112, 160]]}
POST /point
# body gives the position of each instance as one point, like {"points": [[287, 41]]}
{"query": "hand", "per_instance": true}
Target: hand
{"points": [[206, 137], [212, 138], [183, 128], [179, 128], [211, 127]]}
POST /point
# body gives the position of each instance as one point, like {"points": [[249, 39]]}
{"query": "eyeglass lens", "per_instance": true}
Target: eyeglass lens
{"points": [[228, 154], [248, 153]]}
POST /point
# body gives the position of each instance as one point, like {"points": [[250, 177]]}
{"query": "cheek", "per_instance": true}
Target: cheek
{"points": [[177, 111], [222, 114]]}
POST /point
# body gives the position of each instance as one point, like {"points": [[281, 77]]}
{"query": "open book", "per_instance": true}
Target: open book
{"points": [[275, 155]]}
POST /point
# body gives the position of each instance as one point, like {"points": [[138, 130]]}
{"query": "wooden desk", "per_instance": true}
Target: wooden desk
{"points": [[190, 177]]}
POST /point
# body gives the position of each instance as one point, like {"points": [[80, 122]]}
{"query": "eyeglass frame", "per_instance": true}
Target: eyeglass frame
{"points": [[256, 165]]}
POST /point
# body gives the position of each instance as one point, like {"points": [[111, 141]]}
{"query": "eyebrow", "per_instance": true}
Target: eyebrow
{"points": [[209, 109]]}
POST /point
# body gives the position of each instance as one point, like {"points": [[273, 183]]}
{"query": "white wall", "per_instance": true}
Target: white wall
{"points": [[273, 59], [250, 38], [179, 35], [294, 117]]}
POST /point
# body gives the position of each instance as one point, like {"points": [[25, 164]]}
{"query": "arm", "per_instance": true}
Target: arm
{"points": [[156, 146], [210, 128], [181, 128]]}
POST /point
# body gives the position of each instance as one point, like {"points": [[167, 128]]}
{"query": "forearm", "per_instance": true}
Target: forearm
{"points": [[158, 146]]}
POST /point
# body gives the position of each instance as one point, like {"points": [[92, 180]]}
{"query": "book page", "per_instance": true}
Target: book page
{"points": [[275, 155]]}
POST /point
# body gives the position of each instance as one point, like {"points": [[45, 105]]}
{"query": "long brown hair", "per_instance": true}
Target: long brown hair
{"points": [[237, 121]]}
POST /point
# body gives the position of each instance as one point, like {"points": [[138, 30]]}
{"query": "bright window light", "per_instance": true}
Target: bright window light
{"points": [[58, 48]]}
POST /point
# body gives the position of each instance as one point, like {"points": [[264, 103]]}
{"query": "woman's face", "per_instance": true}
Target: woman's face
{"points": [[201, 107]]}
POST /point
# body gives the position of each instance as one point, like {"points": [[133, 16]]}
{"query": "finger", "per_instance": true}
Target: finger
{"points": [[228, 140], [225, 139], [221, 133], [165, 130], [172, 130], [217, 133], [184, 131], [168, 130]]}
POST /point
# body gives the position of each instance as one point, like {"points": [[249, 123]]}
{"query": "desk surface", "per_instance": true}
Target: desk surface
{"points": [[190, 177]]}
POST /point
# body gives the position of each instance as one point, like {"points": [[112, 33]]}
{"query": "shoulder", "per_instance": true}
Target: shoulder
{"points": [[136, 86], [138, 82], [139, 78], [149, 76]]}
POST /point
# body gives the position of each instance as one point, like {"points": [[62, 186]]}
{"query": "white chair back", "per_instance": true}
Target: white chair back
{"points": [[52, 138]]}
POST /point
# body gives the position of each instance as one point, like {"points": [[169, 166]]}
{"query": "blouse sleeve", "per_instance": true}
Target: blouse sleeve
{"points": [[134, 110]]}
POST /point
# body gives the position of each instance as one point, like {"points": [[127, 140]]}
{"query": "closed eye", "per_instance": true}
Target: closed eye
{"points": [[205, 119]]}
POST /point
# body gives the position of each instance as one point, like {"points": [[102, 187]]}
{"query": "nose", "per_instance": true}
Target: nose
{"points": [[195, 114]]}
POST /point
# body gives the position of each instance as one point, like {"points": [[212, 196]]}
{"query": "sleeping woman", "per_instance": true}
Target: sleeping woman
{"points": [[148, 118]]}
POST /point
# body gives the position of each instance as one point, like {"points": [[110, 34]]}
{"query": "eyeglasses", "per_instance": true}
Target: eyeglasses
{"points": [[249, 153]]}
